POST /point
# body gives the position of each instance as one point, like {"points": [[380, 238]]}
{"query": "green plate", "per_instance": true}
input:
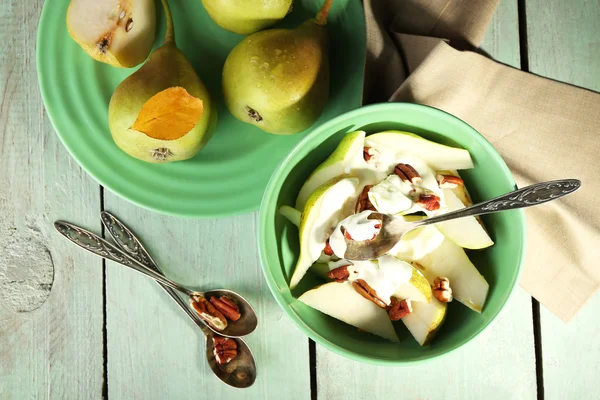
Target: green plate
{"points": [[229, 175], [499, 264]]}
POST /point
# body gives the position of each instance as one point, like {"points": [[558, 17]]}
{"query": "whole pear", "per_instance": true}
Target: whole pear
{"points": [[167, 67], [278, 79], [116, 32], [247, 16]]}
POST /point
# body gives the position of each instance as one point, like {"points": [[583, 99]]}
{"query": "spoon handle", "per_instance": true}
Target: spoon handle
{"points": [[521, 198], [95, 244], [130, 244]]}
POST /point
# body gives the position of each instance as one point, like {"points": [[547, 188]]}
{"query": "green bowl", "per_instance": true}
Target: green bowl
{"points": [[500, 264]]}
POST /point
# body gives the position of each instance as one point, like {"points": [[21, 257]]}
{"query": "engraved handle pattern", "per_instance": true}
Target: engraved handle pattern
{"points": [[132, 246], [526, 197], [95, 244]]}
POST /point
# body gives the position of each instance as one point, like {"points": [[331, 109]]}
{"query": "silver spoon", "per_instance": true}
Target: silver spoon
{"points": [[239, 372], [95, 244], [392, 228]]}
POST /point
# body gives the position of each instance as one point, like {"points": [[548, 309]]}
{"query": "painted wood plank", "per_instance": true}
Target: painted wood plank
{"points": [[50, 346], [564, 45], [500, 364], [155, 352]]}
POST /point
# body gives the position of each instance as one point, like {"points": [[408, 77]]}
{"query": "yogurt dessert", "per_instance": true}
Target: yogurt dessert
{"points": [[405, 175]]}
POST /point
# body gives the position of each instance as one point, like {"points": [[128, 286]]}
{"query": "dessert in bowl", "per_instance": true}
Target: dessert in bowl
{"points": [[441, 285]]}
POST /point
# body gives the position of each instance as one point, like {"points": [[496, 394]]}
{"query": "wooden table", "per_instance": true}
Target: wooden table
{"points": [[107, 332]]}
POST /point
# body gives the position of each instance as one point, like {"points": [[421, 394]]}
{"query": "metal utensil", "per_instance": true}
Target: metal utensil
{"points": [[393, 228], [241, 371], [95, 244]]}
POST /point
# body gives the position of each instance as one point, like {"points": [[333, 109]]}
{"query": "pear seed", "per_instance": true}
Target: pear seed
{"points": [[129, 25], [122, 15]]}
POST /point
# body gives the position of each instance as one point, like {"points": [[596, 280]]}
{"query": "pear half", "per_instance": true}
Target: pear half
{"points": [[324, 209], [341, 301], [466, 232], [348, 151], [436, 155], [116, 32], [450, 260], [425, 320]]}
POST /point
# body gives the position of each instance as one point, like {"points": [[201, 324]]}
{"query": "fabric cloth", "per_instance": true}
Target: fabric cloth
{"points": [[544, 129]]}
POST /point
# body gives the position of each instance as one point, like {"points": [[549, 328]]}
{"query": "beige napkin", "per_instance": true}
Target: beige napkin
{"points": [[543, 129]]}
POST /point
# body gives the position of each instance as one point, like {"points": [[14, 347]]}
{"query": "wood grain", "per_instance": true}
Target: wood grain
{"points": [[500, 364], [51, 337], [564, 44], [154, 352]]}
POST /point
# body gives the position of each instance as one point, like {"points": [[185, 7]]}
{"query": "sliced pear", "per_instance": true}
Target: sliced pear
{"points": [[348, 151], [450, 260], [418, 242], [341, 301], [409, 283], [116, 32], [321, 270], [416, 289], [436, 155], [425, 320], [293, 215], [324, 209], [465, 232]]}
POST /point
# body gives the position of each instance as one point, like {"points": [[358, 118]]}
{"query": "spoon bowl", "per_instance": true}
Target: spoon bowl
{"points": [[239, 372], [247, 322]]}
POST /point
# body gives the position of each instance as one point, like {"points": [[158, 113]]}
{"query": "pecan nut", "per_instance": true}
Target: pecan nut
{"points": [[368, 292], [364, 203], [426, 199], [441, 289], [339, 274], [224, 349], [449, 181], [369, 154], [407, 173], [328, 250], [399, 308], [227, 307], [208, 312]]}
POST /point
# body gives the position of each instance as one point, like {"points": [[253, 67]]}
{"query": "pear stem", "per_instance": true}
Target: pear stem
{"points": [[170, 32], [321, 17]]}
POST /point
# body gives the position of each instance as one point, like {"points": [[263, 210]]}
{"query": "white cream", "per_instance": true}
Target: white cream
{"points": [[358, 226], [390, 196], [384, 275]]}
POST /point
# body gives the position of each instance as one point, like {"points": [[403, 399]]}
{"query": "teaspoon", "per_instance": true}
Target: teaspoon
{"points": [[97, 245], [392, 228], [239, 372]]}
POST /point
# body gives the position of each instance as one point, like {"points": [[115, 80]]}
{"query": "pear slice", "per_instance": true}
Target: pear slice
{"points": [[324, 209], [450, 260], [465, 232], [436, 155], [116, 32], [416, 289], [347, 153], [425, 320], [418, 242], [341, 301], [293, 215]]}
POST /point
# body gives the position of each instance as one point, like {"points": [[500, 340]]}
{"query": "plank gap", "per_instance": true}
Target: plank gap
{"points": [[523, 45], [104, 330], [312, 359], [537, 340]]}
